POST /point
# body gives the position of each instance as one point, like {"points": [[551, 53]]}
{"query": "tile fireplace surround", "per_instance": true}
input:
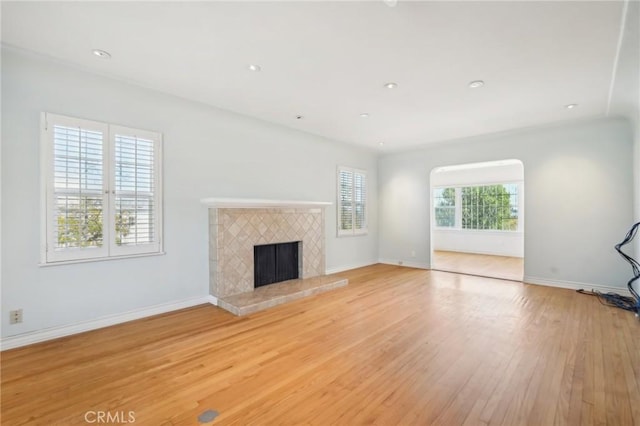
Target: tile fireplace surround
{"points": [[237, 225]]}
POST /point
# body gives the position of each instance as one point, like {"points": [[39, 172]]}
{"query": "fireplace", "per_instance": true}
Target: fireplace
{"points": [[274, 263], [238, 228]]}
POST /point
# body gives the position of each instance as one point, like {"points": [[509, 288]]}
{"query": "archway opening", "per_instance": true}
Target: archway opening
{"points": [[477, 219]]}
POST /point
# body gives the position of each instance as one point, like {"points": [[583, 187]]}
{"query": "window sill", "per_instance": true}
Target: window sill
{"points": [[357, 234], [99, 259]]}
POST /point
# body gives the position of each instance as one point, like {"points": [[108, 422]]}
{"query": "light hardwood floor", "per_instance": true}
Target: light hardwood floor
{"points": [[397, 346], [504, 267]]}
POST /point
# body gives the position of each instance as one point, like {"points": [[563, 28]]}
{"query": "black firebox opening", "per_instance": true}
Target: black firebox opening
{"points": [[274, 263]]}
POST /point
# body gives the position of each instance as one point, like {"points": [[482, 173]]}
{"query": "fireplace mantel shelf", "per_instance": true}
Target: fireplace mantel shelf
{"points": [[253, 203]]}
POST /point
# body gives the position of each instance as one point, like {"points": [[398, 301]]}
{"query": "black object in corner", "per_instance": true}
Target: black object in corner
{"points": [[635, 266]]}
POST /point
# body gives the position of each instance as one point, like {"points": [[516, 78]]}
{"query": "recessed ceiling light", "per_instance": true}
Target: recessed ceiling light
{"points": [[364, 115], [101, 54], [571, 106], [381, 143], [391, 3], [391, 85], [253, 67], [476, 83], [299, 117]]}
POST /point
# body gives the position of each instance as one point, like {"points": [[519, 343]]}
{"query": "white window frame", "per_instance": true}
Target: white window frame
{"points": [[353, 231], [109, 250]]}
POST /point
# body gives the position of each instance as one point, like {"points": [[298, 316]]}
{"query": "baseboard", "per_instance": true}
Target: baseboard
{"points": [[574, 285], [67, 330], [408, 264], [486, 252], [343, 268]]}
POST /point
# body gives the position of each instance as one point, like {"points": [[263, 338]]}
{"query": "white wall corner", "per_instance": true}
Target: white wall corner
{"points": [[636, 171], [24, 339]]}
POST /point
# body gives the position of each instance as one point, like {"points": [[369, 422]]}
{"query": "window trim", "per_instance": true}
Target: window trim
{"points": [[353, 231], [108, 251]]}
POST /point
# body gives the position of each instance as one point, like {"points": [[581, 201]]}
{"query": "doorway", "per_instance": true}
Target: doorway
{"points": [[477, 224]]}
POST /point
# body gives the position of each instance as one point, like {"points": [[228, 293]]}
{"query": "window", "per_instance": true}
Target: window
{"points": [[102, 190], [352, 201], [444, 200], [488, 207]]}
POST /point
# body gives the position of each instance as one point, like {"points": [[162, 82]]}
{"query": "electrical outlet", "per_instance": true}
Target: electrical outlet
{"points": [[15, 317], [413, 253]]}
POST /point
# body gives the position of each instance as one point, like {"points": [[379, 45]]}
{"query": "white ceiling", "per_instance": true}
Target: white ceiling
{"points": [[328, 61]]}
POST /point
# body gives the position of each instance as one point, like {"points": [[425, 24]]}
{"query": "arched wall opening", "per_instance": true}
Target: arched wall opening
{"points": [[477, 218]]}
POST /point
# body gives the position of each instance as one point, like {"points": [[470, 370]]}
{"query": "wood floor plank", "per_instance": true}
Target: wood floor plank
{"points": [[485, 265], [396, 346]]}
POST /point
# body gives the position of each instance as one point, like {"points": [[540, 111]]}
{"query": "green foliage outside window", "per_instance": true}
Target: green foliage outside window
{"points": [[490, 207], [81, 225], [445, 207]]}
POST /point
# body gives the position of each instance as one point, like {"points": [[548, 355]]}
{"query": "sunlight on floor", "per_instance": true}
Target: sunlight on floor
{"points": [[509, 268]]}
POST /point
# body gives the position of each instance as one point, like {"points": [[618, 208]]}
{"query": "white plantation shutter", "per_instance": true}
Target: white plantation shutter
{"points": [[352, 201], [75, 198], [345, 202], [135, 214], [360, 202], [101, 186]]}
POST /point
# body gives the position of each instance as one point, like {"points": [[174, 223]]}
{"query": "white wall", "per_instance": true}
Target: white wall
{"points": [[579, 198], [501, 243], [625, 99], [497, 243], [509, 172], [207, 153]]}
